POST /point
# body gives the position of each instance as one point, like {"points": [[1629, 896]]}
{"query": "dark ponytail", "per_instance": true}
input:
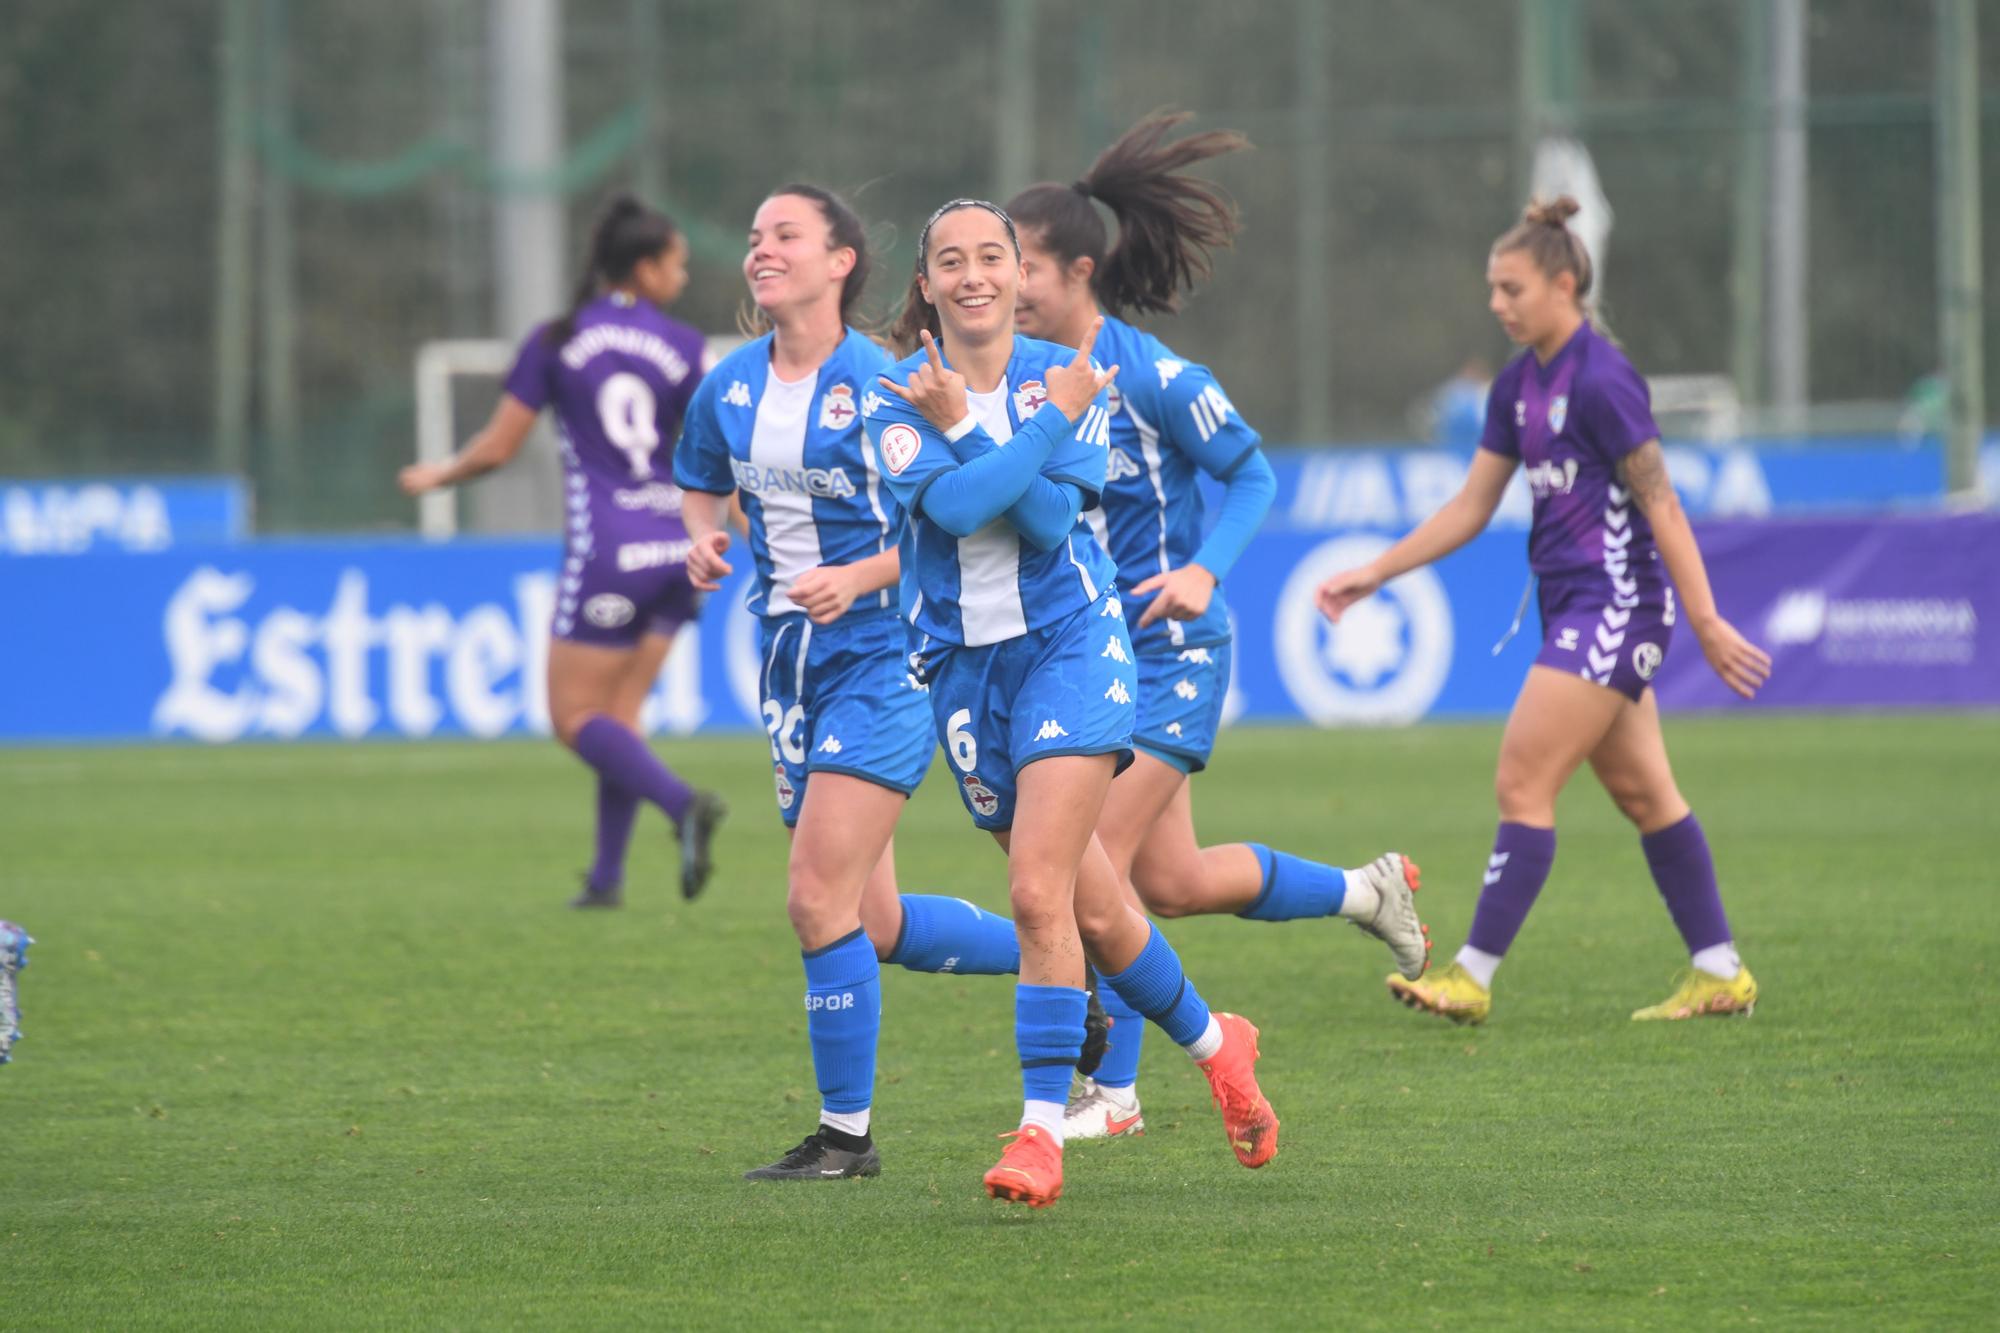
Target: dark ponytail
{"points": [[1168, 222], [626, 232], [844, 231]]}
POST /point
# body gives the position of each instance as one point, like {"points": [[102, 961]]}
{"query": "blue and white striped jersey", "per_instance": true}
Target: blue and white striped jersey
{"points": [[991, 585], [1168, 418], [810, 488]]}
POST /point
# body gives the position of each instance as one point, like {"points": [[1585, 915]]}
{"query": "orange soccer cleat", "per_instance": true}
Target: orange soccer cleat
{"points": [[1029, 1170], [1232, 1079]]}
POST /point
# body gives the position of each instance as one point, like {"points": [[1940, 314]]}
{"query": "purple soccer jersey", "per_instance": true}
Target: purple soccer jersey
{"points": [[619, 385], [1607, 611], [1570, 422]]}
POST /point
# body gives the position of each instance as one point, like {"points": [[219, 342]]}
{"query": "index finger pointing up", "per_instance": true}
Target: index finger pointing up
{"points": [[1089, 341]]}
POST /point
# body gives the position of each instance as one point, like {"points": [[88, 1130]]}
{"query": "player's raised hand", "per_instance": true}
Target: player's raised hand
{"points": [[706, 567], [1345, 589], [1073, 387], [1743, 666], [936, 390]]}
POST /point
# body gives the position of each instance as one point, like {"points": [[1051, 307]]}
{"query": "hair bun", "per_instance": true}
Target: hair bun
{"points": [[1552, 212]]}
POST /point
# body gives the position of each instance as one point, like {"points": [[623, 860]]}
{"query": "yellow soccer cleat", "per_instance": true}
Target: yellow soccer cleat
{"points": [[1451, 994], [1701, 995]]}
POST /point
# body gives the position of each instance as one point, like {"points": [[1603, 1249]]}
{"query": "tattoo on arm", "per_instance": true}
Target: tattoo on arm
{"points": [[1644, 473]]}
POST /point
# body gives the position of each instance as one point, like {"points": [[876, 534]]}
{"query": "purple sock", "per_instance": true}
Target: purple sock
{"points": [[1514, 875], [1685, 874], [623, 758], [616, 809]]}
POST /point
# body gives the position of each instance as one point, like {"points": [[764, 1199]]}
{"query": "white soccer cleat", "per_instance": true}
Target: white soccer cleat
{"points": [[1396, 879], [1098, 1112]]}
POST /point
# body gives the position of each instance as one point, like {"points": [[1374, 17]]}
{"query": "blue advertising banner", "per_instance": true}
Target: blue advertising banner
{"points": [[404, 638], [1392, 490], [120, 514]]}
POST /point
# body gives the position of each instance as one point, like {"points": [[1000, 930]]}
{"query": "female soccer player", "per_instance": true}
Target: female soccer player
{"points": [[778, 423], [14, 942], [619, 373], [1170, 419], [1605, 521], [995, 443]]}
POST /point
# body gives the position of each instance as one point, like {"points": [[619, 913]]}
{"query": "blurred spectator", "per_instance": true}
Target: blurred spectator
{"points": [[1455, 411]]}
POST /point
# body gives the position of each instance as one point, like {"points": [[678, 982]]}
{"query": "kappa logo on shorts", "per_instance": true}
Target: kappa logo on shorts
{"points": [[1567, 639], [983, 798], [787, 793], [1646, 660], [1113, 608], [1187, 689], [831, 745], [1174, 729], [836, 409], [1118, 694], [1199, 656], [1029, 398], [1114, 649], [608, 610], [900, 444]]}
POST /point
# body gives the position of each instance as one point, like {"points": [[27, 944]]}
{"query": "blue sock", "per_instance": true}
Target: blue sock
{"points": [[1156, 986], [952, 935], [1120, 1066], [843, 1017], [1295, 888], [1048, 1031]]}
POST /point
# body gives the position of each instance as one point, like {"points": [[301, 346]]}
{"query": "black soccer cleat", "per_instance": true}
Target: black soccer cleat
{"points": [[696, 831], [589, 897], [820, 1158], [1096, 1025]]}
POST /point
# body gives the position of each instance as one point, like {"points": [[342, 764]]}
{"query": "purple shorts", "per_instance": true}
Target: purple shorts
{"points": [[1612, 636], [623, 577]]}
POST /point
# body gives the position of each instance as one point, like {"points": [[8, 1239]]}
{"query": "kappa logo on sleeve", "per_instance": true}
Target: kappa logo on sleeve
{"points": [[900, 444]]}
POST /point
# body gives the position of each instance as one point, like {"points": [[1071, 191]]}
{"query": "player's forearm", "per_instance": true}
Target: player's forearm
{"points": [[1682, 556], [968, 497], [1451, 527], [876, 572], [1246, 499], [487, 451], [1046, 515], [703, 513]]}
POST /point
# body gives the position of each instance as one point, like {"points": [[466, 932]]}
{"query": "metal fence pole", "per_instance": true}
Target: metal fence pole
{"points": [[1313, 342], [1961, 333], [1750, 240], [1790, 335], [1014, 114], [528, 245], [233, 256]]}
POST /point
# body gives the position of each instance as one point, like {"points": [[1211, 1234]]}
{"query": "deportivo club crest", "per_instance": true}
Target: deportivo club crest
{"points": [[1558, 413], [1117, 399], [982, 797], [1028, 397], [837, 410], [786, 792]]}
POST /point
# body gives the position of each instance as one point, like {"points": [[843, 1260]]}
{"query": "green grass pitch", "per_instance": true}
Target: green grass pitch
{"points": [[313, 1043]]}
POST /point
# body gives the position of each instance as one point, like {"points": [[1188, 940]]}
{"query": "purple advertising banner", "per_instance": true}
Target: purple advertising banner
{"points": [[1864, 612]]}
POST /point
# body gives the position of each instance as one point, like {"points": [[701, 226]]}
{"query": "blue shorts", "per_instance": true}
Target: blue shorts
{"points": [[1067, 688], [1180, 704], [839, 698]]}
